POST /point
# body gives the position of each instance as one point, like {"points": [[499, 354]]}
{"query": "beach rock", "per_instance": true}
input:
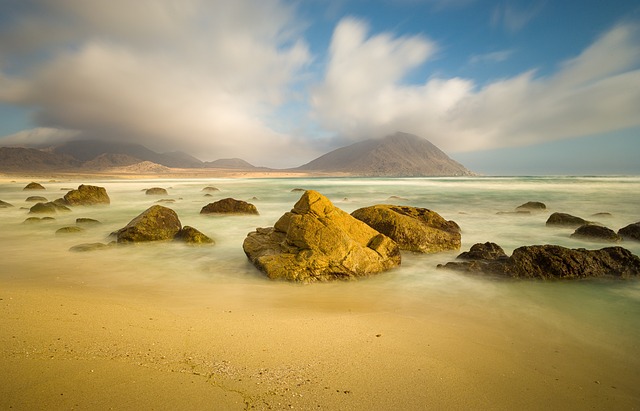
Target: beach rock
{"points": [[486, 251], [594, 232], [317, 241], [70, 230], [154, 224], [190, 235], [36, 199], [210, 189], [5, 204], [91, 247], [414, 229], [156, 191], [87, 221], [229, 206], [87, 195], [48, 208], [532, 206], [555, 262], [32, 220], [33, 186], [565, 220], [630, 232]]}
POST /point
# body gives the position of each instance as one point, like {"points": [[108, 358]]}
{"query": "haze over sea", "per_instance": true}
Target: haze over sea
{"points": [[561, 343]]}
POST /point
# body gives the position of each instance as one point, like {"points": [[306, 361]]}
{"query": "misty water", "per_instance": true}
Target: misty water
{"points": [[601, 313]]}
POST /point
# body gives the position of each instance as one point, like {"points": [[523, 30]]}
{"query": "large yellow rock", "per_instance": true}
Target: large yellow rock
{"points": [[317, 241]]}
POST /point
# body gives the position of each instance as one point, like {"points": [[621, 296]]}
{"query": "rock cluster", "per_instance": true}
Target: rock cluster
{"points": [[549, 262], [317, 241]]}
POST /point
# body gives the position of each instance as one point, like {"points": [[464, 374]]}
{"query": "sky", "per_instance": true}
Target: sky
{"points": [[505, 87]]}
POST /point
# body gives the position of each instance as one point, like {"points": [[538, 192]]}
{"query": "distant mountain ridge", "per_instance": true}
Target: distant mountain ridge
{"points": [[397, 155]]}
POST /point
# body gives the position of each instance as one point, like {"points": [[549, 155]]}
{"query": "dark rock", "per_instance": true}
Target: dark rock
{"points": [[156, 191], [87, 221], [565, 220], [532, 206], [630, 232], [47, 208], [91, 247], [229, 206], [192, 236], [36, 199], [317, 241], [32, 220], [210, 189], [601, 215], [5, 204], [298, 190], [555, 262], [208, 195], [486, 251], [594, 232], [70, 230], [414, 229], [33, 186], [156, 223], [87, 195]]}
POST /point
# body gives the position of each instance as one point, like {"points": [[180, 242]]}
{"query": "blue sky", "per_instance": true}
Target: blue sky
{"points": [[505, 87]]}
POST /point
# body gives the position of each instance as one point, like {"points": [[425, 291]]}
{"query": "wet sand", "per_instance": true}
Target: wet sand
{"points": [[66, 346]]}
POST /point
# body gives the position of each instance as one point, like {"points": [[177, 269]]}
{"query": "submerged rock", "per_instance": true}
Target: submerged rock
{"points": [[210, 189], [47, 208], [5, 204], [519, 212], [229, 206], [34, 186], [69, 230], [154, 224], [87, 221], [486, 251], [317, 241], [565, 220], [32, 220], [630, 232], [553, 262], [594, 232], [190, 235], [36, 199], [156, 191], [414, 229], [87, 195], [532, 206], [91, 247]]}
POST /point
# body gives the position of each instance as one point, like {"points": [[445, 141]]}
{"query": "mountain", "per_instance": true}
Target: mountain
{"points": [[86, 150], [107, 160], [19, 159], [398, 155], [235, 163]]}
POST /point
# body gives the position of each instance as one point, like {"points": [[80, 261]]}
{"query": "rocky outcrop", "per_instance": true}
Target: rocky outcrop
{"points": [[5, 204], [317, 241], [190, 235], [414, 229], [532, 206], [630, 232], [87, 195], [34, 186], [565, 220], [552, 262], [156, 191], [593, 232], [229, 206], [154, 224], [48, 208]]}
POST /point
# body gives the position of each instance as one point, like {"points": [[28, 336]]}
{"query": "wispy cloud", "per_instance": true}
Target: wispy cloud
{"points": [[514, 18], [597, 91], [491, 57]]}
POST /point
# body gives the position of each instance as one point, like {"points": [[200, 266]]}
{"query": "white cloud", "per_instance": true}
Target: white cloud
{"points": [[200, 76], [595, 92]]}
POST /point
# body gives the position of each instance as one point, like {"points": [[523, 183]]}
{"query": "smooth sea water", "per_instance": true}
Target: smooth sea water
{"points": [[599, 313]]}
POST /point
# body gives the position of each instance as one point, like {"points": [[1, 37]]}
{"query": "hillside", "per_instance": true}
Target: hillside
{"points": [[398, 155], [18, 159]]}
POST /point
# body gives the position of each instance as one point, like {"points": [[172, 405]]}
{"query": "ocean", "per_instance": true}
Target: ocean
{"points": [[601, 317]]}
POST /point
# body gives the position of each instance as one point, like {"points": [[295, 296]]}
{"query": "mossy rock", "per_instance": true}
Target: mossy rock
{"points": [[47, 208], [36, 199], [156, 191], [190, 235], [87, 221], [70, 230], [87, 195], [210, 189], [154, 224], [5, 204], [34, 186], [229, 206]]}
